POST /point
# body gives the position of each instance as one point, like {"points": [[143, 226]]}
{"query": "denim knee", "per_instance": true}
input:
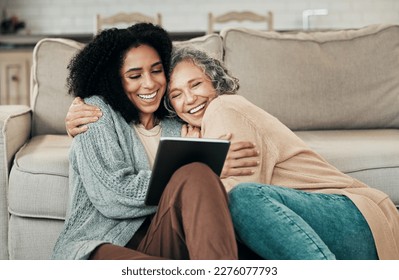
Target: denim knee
{"points": [[244, 192], [271, 229], [247, 189], [241, 196]]}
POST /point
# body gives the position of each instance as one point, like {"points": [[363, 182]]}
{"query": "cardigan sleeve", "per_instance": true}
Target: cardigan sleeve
{"points": [[106, 168], [229, 114]]}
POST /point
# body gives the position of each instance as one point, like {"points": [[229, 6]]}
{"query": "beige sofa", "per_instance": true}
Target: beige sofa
{"points": [[338, 90]]}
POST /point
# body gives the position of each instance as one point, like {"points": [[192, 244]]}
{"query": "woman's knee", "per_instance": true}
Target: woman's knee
{"points": [[249, 191], [193, 170], [195, 178], [266, 199], [256, 191], [244, 196]]}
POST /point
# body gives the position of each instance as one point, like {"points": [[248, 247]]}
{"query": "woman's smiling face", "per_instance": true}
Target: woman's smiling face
{"points": [[143, 79], [190, 92]]}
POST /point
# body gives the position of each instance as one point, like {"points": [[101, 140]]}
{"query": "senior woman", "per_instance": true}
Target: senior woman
{"points": [[317, 212]]}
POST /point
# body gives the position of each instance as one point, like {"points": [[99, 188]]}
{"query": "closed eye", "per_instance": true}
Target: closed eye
{"points": [[174, 95], [196, 84], [157, 70], [137, 76]]}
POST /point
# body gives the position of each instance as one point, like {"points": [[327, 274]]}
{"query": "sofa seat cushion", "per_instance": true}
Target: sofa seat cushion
{"points": [[371, 156], [38, 184], [31, 238]]}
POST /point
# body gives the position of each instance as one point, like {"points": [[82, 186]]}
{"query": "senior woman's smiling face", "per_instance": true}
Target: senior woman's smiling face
{"points": [[190, 92]]}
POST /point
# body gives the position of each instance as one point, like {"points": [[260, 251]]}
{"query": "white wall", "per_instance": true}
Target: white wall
{"points": [[77, 16]]}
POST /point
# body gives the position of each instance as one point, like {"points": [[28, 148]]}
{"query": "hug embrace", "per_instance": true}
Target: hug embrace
{"points": [[276, 197]]}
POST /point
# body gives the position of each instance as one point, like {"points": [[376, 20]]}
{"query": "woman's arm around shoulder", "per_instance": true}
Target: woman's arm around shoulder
{"points": [[103, 161]]}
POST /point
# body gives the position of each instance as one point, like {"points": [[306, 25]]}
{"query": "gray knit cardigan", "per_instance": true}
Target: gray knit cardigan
{"points": [[108, 179]]}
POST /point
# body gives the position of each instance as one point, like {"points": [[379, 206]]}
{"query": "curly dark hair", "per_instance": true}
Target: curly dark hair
{"points": [[95, 70]]}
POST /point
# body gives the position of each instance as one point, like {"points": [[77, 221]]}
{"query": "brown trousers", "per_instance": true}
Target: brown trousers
{"points": [[192, 222]]}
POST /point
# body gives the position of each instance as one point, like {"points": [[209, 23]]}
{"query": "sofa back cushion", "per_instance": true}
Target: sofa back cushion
{"points": [[211, 43], [346, 79], [50, 98]]}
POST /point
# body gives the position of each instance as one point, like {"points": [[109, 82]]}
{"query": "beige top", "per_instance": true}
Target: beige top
{"points": [[150, 140], [287, 161]]}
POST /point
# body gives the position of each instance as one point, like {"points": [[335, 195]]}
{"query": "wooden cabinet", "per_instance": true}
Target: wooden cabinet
{"points": [[15, 69]]}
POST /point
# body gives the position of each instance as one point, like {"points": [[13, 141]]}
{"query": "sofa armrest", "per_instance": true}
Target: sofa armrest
{"points": [[15, 127]]}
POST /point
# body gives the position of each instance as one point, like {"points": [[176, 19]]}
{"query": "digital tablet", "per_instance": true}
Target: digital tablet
{"points": [[174, 152]]}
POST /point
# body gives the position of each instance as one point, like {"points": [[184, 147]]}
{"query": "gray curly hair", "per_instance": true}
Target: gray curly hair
{"points": [[222, 80]]}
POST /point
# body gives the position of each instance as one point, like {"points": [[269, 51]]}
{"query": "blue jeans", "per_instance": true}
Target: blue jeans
{"points": [[286, 224]]}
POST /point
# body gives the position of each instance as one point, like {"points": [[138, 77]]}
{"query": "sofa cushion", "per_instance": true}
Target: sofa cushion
{"points": [[345, 79], [50, 98], [32, 239], [38, 185], [372, 156], [211, 43]]}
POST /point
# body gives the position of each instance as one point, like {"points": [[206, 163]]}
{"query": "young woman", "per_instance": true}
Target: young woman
{"points": [[123, 72], [318, 213]]}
